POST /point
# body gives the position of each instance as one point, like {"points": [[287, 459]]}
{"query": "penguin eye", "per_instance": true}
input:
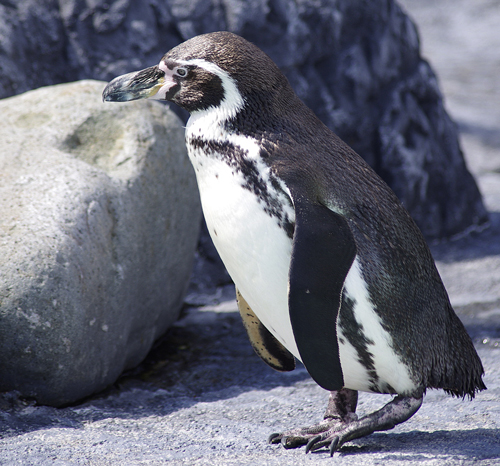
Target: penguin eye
{"points": [[180, 71]]}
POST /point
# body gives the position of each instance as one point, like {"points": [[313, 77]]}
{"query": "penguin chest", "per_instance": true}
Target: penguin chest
{"points": [[250, 220]]}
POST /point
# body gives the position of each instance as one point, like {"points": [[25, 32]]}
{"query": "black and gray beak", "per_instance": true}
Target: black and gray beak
{"points": [[136, 85]]}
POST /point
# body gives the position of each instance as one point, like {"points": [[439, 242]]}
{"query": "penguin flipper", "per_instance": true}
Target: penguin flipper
{"points": [[270, 350], [322, 253]]}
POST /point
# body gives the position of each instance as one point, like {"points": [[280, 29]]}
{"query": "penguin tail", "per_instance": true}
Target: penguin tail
{"points": [[469, 390], [460, 372]]}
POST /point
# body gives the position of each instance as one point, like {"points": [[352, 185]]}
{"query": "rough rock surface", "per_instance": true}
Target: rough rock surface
{"points": [[99, 218], [356, 63]]}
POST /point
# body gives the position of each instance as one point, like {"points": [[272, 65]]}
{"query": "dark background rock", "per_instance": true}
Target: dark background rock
{"points": [[356, 63]]}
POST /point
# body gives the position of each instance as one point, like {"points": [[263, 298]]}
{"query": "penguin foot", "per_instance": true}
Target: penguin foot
{"points": [[339, 413], [334, 433], [310, 435]]}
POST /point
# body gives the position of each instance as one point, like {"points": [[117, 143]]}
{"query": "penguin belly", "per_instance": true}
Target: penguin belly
{"points": [[254, 248]]}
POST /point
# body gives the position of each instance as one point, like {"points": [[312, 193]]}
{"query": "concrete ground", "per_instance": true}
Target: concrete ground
{"points": [[202, 397]]}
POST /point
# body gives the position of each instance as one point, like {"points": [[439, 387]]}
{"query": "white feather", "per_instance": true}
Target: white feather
{"points": [[231, 104], [254, 249]]}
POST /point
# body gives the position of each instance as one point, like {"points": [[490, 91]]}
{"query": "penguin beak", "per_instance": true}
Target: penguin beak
{"points": [[142, 84]]}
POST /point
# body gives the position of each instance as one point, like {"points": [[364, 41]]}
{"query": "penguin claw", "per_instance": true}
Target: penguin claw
{"points": [[271, 439], [289, 439], [312, 443], [334, 445], [292, 442], [321, 441]]}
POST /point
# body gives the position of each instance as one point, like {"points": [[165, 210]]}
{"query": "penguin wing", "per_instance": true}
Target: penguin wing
{"points": [[322, 253], [270, 350]]}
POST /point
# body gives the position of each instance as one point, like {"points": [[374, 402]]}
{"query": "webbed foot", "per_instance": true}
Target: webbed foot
{"points": [[309, 436], [339, 413], [336, 430]]}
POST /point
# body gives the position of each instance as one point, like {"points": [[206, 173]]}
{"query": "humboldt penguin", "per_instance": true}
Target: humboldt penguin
{"points": [[329, 267]]}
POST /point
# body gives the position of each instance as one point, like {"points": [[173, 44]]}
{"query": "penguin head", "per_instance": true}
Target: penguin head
{"points": [[219, 71]]}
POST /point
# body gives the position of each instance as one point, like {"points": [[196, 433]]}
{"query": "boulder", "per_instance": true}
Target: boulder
{"points": [[99, 220], [357, 64]]}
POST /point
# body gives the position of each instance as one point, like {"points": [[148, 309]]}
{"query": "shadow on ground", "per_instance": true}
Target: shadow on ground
{"points": [[476, 245], [463, 443], [205, 361]]}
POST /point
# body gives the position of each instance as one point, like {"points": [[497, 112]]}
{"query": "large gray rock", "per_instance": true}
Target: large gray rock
{"points": [[355, 63], [99, 218]]}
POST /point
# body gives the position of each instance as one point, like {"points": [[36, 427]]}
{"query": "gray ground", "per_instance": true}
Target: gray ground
{"points": [[203, 397]]}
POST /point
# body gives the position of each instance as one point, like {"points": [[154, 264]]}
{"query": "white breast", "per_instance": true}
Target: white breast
{"points": [[254, 249]]}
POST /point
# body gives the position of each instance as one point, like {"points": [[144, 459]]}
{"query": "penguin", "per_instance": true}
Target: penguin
{"points": [[329, 267]]}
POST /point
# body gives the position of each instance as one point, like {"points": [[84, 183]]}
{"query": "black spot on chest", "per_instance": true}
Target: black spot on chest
{"points": [[265, 187]]}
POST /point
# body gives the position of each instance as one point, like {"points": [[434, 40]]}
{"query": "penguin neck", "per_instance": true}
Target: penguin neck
{"points": [[214, 118], [254, 116], [210, 129], [215, 123]]}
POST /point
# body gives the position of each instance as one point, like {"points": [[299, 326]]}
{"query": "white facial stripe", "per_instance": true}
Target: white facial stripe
{"points": [[233, 101], [206, 65], [209, 123]]}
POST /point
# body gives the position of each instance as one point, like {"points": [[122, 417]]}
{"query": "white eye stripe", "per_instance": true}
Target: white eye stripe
{"points": [[233, 101], [206, 65]]}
